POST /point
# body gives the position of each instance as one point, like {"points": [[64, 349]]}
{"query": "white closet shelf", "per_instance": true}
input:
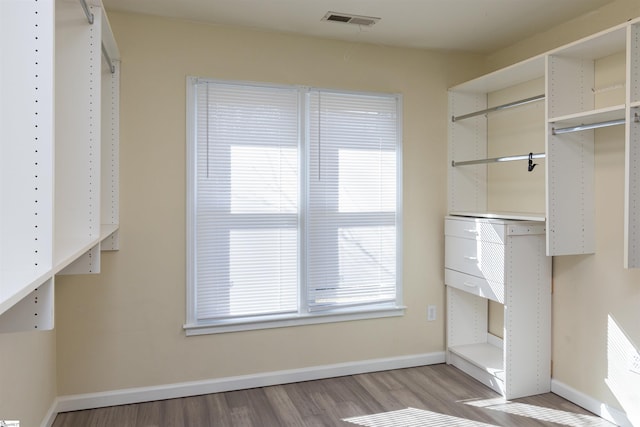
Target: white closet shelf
{"points": [[485, 356], [521, 72], [482, 361], [107, 230], [69, 250], [517, 216], [28, 281], [599, 45], [615, 112], [635, 104]]}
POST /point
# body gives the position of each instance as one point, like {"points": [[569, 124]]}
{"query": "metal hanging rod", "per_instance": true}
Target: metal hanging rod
{"points": [[529, 156], [598, 125], [499, 107], [112, 67], [87, 12]]}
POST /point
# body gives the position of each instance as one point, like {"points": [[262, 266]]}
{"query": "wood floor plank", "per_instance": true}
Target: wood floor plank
{"points": [[436, 392], [283, 406], [149, 414], [218, 411]]}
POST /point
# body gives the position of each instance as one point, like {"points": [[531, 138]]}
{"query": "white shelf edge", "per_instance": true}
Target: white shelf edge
{"points": [[524, 71], [31, 286], [601, 114], [598, 45], [107, 230], [516, 216], [79, 249], [635, 104]]}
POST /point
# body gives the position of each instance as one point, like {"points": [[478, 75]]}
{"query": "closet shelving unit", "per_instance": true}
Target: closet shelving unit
{"points": [[574, 106], [58, 151], [471, 109], [498, 255], [503, 261], [590, 84]]}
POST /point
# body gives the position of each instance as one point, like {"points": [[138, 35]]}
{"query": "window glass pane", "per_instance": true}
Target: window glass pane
{"points": [[367, 258], [247, 201], [367, 180], [264, 179], [263, 271], [352, 201]]}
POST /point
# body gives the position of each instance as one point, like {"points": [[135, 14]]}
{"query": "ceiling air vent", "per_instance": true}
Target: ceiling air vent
{"points": [[346, 18]]}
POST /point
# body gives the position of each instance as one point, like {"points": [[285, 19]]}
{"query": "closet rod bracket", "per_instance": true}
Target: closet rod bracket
{"points": [[87, 12]]}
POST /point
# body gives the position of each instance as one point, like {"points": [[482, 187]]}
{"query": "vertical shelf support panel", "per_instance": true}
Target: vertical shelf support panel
{"points": [[77, 201], [527, 318], [110, 157], [26, 148], [632, 152], [34, 312], [570, 161]]}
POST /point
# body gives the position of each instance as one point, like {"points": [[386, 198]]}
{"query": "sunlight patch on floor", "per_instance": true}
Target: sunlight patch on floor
{"points": [[540, 413], [623, 370], [412, 417]]}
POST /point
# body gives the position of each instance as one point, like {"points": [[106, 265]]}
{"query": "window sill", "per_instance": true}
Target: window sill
{"points": [[288, 321]]}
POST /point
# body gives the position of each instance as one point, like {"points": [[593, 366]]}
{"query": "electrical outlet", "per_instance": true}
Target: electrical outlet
{"points": [[431, 313]]}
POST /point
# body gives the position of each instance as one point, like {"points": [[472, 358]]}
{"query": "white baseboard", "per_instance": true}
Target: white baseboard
{"points": [[50, 417], [194, 388], [590, 404]]}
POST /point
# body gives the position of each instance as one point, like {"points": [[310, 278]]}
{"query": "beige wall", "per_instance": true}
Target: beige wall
{"points": [[123, 328], [27, 376]]}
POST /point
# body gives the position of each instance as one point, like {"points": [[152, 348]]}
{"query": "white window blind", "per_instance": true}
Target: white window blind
{"points": [[293, 204], [351, 253], [247, 201]]}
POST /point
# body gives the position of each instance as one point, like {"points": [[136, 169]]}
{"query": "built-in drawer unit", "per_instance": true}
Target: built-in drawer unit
{"points": [[504, 261]]}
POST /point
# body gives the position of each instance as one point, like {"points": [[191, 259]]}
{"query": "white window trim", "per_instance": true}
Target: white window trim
{"points": [[194, 328]]}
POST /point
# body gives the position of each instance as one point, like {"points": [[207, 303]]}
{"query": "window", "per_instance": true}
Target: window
{"points": [[293, 206]]}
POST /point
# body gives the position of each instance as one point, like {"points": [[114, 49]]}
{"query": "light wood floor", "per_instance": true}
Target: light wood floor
{"points": [[429, 396]]}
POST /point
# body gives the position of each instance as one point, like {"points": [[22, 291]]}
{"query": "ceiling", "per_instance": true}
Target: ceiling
{"points": [[480, 26]]}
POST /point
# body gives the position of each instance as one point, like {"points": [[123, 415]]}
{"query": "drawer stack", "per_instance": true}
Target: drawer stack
{"points": [[474, 258], [504, 261]]}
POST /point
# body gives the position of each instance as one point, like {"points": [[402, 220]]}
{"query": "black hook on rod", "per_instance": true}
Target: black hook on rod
{"points": [[531, 164]]}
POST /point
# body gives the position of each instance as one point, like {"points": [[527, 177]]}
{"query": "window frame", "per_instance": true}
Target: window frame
{"points": [[193, 326]]}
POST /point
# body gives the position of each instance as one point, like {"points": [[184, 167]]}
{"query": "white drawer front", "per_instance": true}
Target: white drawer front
{"points": [[475, 285], [471, 228], [475, 257]]}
